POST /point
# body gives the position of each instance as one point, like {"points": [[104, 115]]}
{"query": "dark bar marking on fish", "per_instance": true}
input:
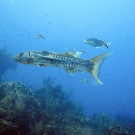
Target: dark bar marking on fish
{"points": [[21, 54], [52, 61], [104, 44], [29, 60]]}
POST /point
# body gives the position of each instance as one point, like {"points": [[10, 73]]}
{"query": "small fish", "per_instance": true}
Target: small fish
{"points": [[96, 42], [84, 80], [39, 36], [68, 61]]}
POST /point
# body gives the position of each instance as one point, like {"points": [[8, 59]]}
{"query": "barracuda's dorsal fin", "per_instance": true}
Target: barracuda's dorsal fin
{"points": [[74, 53], [44, 53]]}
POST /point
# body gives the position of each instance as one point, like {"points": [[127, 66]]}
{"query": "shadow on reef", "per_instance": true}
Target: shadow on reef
{"points": [[6, 61], [48, 111]]}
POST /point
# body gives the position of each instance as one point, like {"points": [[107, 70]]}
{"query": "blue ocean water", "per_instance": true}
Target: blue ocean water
{"points": [[65, 25]]}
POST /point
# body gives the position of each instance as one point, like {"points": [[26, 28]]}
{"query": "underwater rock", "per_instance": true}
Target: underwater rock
{"points": [[6, 61], [16, 96], [19, 104]]}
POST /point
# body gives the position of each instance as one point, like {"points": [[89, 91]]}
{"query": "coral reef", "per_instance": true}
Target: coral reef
{"points": [[125, 121], [62, 117], [118, 130], [48, 111], [19, 106], [6, 61], [8, 128], [101, 122]]}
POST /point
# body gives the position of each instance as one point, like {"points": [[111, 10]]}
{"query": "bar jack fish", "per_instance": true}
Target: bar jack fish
{"points": [[69, 61], [95, 42]]}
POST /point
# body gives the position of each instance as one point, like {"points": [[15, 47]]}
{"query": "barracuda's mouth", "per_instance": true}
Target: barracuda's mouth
{"points": [[85, 41], [23, 59], [16, 58]]}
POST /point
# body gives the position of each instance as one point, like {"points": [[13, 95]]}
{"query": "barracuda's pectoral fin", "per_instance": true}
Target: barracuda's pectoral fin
{"points": [[74, 53], [40, 65], [97, 62], [70, 70]]}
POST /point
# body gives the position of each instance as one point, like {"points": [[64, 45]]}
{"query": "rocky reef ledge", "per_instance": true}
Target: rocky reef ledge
{"points": [[48, 111]]}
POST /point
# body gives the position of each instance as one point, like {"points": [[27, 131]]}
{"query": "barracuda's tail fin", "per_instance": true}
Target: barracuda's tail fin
{"points": [[97, 62]]}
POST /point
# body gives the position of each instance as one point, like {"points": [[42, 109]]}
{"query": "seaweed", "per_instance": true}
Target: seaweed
{"points": [[58, 110]]}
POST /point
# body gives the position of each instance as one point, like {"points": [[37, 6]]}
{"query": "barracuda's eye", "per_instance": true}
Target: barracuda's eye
{"points": [[21, 54]]}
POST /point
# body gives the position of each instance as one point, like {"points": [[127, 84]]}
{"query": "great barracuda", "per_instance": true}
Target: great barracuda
{"points": [[68, 61]]}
